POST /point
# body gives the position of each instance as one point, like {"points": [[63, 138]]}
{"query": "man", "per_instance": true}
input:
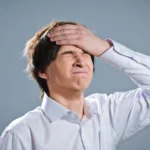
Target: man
{"points": [[61, 60]]}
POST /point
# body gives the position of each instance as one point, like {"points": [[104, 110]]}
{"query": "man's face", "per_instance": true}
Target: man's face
{"points": [[72, 69]]}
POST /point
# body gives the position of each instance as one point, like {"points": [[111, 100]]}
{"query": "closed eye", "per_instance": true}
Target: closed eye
{"points": [[67, 52], [71, 52]]}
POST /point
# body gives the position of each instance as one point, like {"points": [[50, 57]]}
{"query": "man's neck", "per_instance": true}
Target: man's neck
{"points": [[72, 100]]}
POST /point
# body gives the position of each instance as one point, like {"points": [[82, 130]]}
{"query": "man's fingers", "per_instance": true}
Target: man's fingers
{"points": [[67, 42], [66, 26], [67, 29], [62, 32], [69, 34], [66, 37]]}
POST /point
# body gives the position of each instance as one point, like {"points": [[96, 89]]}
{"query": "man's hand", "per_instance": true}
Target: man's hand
{"points": [[81, 37]]}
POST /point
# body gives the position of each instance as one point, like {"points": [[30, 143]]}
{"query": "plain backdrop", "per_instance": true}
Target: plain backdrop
{"points": [[125, 21]]}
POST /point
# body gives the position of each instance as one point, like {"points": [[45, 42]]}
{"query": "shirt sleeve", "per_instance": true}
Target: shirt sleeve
{"points": [[129, 111], [10, 141]]}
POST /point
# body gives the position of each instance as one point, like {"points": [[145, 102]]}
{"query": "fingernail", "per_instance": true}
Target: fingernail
{"points": [[49, 35], [52, 39], [57, 42]]}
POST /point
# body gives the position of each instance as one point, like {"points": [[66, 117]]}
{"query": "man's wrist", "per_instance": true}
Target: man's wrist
{"points": [[105, 45]]}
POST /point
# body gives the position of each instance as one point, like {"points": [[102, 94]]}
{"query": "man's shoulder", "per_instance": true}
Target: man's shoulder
{"points": [[24, 123], [97, 97], [97, 101]]}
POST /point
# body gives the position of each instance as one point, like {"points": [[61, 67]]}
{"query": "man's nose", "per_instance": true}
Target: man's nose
{"points": [[79, 61]]}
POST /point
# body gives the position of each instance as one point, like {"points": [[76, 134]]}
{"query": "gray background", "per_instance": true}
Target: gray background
{"points": [[126, 21]]}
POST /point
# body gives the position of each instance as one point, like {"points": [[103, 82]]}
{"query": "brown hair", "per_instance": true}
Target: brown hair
{"points": [[40, 52]]}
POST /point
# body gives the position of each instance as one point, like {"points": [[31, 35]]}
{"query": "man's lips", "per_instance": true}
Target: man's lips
{"points": [[80, 72]]}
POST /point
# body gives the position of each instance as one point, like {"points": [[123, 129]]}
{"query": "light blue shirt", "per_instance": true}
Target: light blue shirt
{"points": [[108, 119]]}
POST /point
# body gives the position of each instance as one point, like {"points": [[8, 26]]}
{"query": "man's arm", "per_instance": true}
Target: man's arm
{"points": [[129, 111], [132, 63]]}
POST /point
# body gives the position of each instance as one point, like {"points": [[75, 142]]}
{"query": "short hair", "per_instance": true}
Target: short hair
{"points": [[40, 52]]}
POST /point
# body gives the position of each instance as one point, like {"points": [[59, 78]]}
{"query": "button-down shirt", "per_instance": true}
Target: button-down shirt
{"points": [[107, 121]]}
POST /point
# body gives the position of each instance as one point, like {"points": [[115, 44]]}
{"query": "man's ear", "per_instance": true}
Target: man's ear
{"points": [[42, 75]]}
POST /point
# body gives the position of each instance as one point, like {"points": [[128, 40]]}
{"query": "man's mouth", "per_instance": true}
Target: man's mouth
{"points": [[80, 72]]}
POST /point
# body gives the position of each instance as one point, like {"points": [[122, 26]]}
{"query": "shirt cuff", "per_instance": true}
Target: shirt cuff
{"points": [[116, 54]]}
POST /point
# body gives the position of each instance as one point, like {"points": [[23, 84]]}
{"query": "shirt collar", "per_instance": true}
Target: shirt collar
{"points": [[55, 111]]}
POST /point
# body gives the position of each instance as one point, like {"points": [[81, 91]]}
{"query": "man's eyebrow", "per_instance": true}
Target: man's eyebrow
{"points": [[66, 52], [85, 51], [71, 51]]}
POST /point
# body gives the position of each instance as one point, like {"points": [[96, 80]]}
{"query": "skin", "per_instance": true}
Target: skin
{"points": [[72, 71]]}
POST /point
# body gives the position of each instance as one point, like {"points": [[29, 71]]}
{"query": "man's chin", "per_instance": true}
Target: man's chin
{"points": [[80, 87]]}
